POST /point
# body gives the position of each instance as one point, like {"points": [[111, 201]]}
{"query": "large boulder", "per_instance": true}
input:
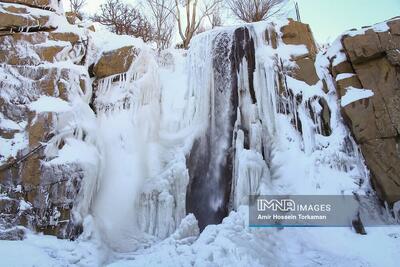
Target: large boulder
{"points": [[373, 58], [115, 61]]}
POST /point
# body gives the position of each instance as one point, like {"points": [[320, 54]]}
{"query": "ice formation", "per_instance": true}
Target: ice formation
{"points": [[142, 185], [233, 123]]}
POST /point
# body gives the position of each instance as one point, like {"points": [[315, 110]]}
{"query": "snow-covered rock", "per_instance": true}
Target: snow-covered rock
{"points": [[53, 5], [47, 136], [370, 98]]}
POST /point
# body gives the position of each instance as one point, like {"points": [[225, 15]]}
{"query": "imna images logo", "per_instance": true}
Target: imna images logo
{"points": [[275, 204], [289, 205]]}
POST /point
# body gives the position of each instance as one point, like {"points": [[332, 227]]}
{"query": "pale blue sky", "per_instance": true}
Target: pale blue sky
{"points": [[327, 18]]}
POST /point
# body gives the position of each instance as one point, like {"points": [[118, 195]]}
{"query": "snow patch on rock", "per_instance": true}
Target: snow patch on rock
{"points": [[354, 94]]}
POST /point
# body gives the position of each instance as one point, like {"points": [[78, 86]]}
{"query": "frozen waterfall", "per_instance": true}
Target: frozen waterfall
{"points": [[200, 132], [210, 162]]}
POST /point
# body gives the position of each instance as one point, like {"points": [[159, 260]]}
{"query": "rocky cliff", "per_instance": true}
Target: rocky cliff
{"points": [[362, 59], [370, 59], [89, 125], [44, 113]]}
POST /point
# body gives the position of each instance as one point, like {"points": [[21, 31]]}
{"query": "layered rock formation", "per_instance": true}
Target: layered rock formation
{"points": [[30, 15], [372, 61], [44, 86]]}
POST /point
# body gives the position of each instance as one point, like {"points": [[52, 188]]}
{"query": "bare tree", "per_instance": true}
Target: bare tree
{"points": [[122, 18], [194, 15], [215, 18], [77, 5], [255, 10], [163, 21]]}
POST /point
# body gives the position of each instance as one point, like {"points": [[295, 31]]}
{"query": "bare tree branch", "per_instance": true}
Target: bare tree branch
{"points": [[77, 5], [163, 21], [255, 10], [193, 17], [122, 18], [215, 18]]}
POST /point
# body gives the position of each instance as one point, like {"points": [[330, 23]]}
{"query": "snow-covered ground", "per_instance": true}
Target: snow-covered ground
{"points": [[231, 243]]}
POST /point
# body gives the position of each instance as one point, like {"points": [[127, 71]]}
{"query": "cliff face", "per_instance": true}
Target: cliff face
{"points": [[44, 113], [363, 59], [373, 62], [89, 126]]}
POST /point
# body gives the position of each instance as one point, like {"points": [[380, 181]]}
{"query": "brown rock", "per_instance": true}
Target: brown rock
{"points": [[359, 116], [382, 158], [305, 71], [115, 62], [49, 53], [17, 18], [45, 4], [49, 81], [91, 28], [370, 45], [73, 17], [13, 47], [51, 189], [342, 67], [298, 33], [393, 56], [343, 84], [384, 80], [388, 41], [375, 122], [271, 37], [64, 36], [394, 26]]}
